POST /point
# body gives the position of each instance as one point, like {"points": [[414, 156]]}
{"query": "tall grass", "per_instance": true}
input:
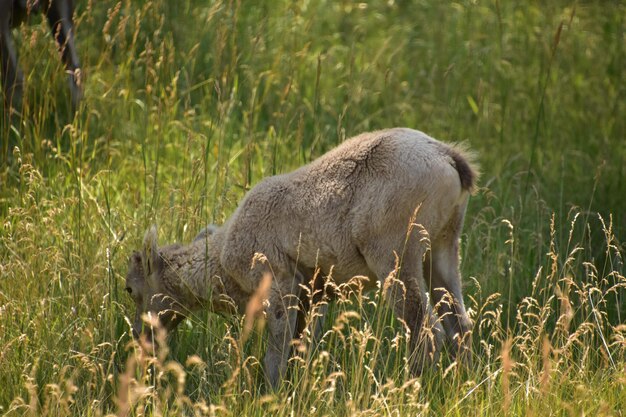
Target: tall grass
{"points": [[188, 104]]}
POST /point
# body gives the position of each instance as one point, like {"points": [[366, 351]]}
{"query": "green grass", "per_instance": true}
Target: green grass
{"points": [[188, 104]]}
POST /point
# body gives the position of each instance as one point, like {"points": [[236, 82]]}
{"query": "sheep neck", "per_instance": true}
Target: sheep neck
{"points": [[207, 283]]}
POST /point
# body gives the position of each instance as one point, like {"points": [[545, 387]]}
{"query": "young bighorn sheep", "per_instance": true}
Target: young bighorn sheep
{"points": [[387, 205]]}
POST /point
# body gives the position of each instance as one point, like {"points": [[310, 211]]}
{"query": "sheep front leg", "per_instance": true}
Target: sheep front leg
{"points": [[319, 313], [281, 321], [312, 314]]}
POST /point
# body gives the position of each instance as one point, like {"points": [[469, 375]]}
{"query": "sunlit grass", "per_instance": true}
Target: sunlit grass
{"points": [[188, 104]]}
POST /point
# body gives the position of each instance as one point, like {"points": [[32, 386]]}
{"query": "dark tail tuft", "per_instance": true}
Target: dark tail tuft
{"points": [[463, 161]]}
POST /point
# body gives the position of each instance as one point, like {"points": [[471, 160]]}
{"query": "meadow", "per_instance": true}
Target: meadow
{"points": [[189, 103]]}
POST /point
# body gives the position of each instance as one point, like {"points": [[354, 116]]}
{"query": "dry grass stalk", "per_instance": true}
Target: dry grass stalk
{"points": [[507, 366]]}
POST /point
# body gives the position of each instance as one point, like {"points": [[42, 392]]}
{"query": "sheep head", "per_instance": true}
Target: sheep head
{"points": [[152, 284]]}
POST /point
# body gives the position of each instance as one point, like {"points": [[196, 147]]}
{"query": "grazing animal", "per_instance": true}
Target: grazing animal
{"points": [[346, 213], [59, 15]]}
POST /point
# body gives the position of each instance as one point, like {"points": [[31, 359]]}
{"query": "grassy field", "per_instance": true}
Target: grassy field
{"points": [[190, 103]]}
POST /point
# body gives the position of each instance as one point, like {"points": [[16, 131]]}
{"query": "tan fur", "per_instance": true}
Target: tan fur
{"points": [[350, 211]]}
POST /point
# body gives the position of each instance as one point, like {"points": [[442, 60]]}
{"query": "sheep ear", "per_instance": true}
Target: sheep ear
{"points": [[135, 268], [151, 259], [136, 259]]}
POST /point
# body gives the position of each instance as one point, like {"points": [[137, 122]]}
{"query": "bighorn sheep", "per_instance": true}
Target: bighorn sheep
{"points": [[349, 211], [59, 14]]}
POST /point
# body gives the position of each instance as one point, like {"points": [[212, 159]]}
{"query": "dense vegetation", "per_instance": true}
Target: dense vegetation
{"points": [[189, 103]]}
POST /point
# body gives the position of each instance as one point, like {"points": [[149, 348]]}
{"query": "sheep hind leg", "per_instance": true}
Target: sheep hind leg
{"points": [[410, 302], [11, 76], [60, 18], [445, 284]]}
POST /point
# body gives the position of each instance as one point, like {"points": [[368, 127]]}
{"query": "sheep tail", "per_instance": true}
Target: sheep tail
{"points": [[464, 161]]}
